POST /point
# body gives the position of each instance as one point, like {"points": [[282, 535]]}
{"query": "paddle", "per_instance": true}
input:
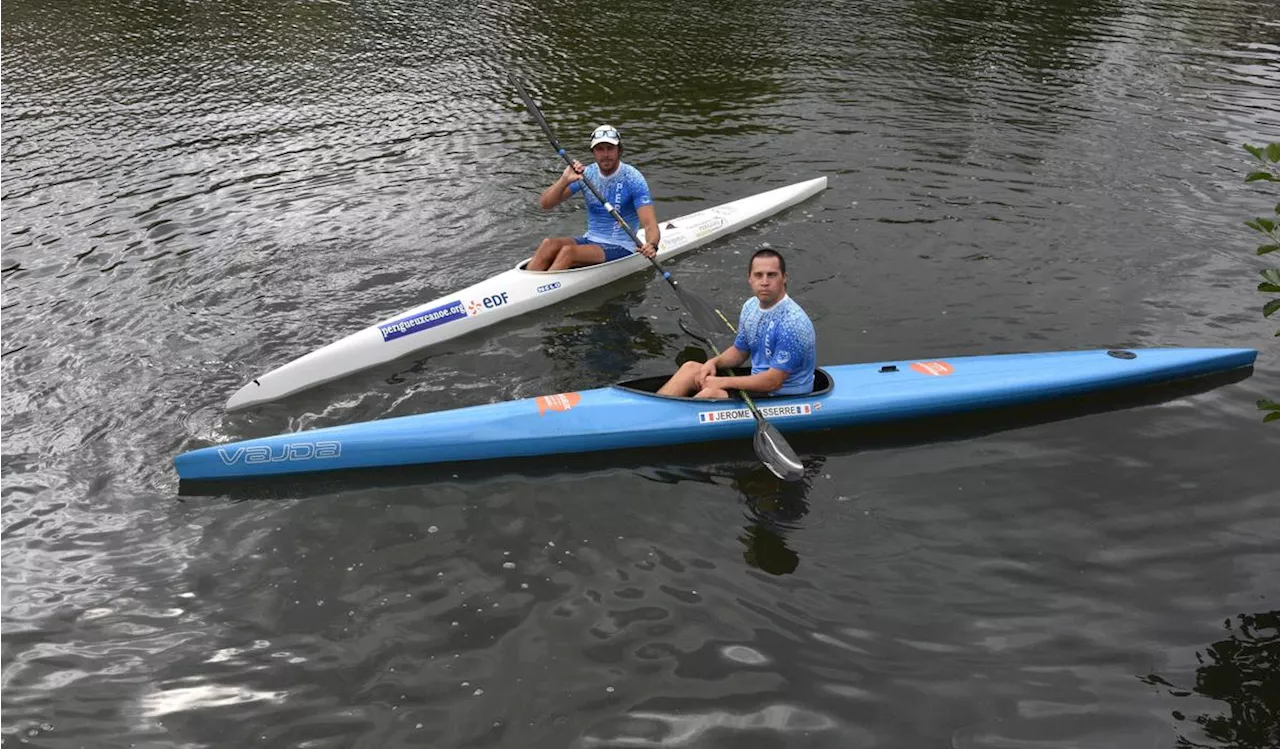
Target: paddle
{"points": [[770, 446]]}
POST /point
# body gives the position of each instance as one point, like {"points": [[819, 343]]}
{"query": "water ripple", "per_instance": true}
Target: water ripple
{"points": [[195, 193]]}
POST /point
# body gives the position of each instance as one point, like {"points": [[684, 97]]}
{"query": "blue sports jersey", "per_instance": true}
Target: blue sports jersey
{"points": [[626, 189], [780, 337]]}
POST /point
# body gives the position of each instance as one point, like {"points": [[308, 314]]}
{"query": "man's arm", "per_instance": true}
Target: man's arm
{"points": [[649, 220], [730, 358], [559, 190], [727, 359]]}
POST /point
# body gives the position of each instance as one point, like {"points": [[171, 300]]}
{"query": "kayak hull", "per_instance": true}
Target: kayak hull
{"points": [[509, 294], [629, 416]]}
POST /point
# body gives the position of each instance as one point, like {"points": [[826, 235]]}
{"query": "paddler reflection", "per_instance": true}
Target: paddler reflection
{"points": [[774, 509]]}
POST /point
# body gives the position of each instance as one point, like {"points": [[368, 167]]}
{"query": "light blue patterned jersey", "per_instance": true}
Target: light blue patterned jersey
{"points": [[626, 189], [780, 337]]}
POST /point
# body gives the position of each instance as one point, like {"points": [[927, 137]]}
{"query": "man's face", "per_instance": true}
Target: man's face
{"points": [[768, 282], [606, 156]]}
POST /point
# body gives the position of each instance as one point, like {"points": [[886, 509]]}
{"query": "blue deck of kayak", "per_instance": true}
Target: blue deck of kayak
{"points": [[618, 417]]}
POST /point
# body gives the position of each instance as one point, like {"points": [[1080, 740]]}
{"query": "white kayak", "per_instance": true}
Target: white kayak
{"points": [[502, 297]]}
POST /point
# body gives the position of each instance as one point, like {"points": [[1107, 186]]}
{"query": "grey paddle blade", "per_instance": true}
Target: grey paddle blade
{"points": [[715, 343], [707, 323], [694, 332], [776, 454]]}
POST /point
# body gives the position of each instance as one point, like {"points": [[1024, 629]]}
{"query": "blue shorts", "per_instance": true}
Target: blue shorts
{"points": [[611, 251]]}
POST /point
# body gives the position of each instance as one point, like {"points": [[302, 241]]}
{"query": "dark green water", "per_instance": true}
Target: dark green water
{"points": [[196, 192]]}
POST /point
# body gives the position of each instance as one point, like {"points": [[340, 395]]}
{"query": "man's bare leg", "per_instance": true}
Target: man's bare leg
{"points": [[545, 256], [683, 382], [577, 255]]}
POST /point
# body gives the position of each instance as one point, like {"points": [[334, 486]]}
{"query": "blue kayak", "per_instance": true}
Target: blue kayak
{"points": [[631, 415]]}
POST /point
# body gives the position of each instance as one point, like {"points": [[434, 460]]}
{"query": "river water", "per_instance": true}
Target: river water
{"points": [[196, 192]]}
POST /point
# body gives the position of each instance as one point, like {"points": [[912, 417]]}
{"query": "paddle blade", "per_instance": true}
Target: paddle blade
{"points": [[707, 323], [776, 453], [715, 343]]}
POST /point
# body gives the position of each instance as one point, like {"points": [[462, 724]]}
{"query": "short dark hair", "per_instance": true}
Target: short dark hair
{"points": [[766, 252]]}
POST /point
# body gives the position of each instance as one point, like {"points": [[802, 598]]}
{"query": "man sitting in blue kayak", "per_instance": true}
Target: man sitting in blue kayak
{"points": [[623, 186], [773, 332]]}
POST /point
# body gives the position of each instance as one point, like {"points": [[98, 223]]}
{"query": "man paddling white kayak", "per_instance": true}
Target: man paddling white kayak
{"points": [[507, 295], [774, 333], [623, 186]]}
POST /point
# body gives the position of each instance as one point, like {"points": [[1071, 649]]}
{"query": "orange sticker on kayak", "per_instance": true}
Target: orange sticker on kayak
{"points": [[935, 368], [561, 402]]}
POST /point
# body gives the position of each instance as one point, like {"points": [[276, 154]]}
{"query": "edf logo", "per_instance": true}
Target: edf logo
{"points": [[489, 302]]}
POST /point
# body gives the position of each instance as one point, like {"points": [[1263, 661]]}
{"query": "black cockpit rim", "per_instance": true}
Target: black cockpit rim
{"points": [[822, 384]]}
